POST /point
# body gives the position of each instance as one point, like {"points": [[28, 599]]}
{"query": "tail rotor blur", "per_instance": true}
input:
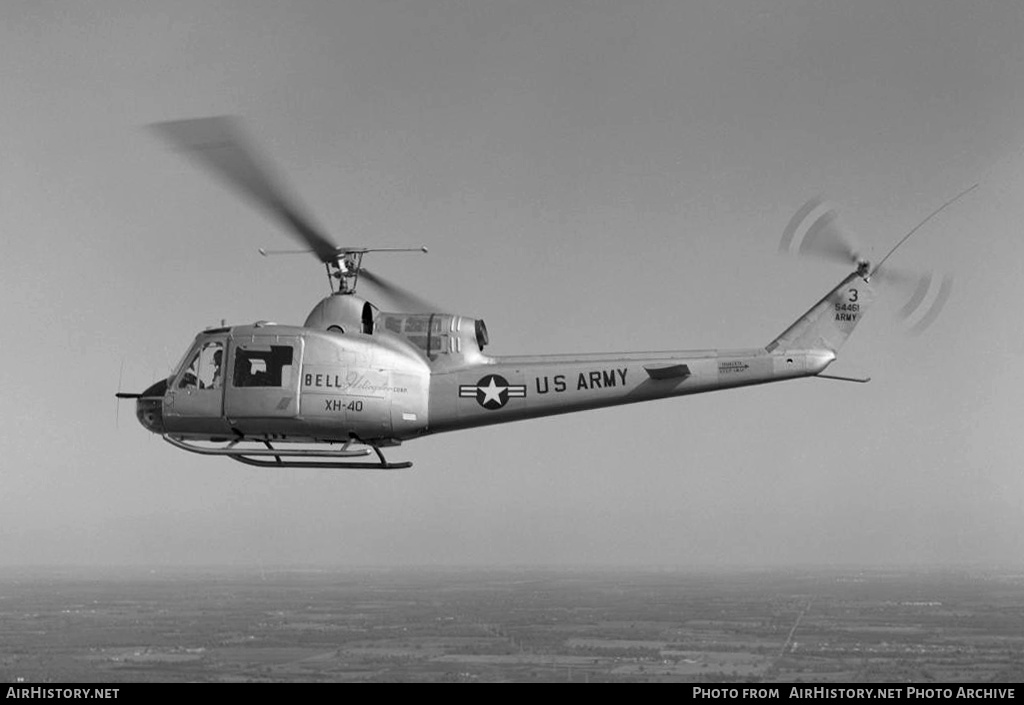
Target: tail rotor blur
{"points": [[926, 302], [816, 230]]}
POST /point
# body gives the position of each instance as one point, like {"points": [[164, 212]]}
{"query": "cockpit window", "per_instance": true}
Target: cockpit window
{"points": [[204, 370], [263, 366]]}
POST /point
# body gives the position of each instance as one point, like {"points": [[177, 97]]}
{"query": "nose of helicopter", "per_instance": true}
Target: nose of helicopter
{"points": [[149, 407]]}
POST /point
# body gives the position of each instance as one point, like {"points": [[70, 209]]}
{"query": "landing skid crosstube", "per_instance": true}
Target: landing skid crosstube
{"points": [[304, 457]]}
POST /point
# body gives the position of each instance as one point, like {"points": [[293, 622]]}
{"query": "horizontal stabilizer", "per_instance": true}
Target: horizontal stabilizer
{"points": [[668, 372]]}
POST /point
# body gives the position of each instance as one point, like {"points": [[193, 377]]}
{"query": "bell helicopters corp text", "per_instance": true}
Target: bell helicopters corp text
{"points": [[65, 693]]}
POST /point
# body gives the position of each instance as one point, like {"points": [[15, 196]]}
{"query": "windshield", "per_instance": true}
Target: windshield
{"points": [[186, 357], [204, 370]]}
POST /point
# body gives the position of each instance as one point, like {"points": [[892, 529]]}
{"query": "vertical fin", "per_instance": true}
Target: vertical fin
{"points": [[828, 323]]}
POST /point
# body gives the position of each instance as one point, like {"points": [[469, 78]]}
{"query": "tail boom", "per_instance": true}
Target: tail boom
{"points": [[516, 388], [506, 389]]}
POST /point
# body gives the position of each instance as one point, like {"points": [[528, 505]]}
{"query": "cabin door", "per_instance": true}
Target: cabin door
{"points": [[264, 378], [197, 393]]}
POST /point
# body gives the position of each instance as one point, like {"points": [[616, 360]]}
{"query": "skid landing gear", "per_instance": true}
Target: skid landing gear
{"points": [[271, 457]]}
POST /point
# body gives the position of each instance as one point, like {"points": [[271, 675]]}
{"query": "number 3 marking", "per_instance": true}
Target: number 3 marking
{"points": [[853, 294]]}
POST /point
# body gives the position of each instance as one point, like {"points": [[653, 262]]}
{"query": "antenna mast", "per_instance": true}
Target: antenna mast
{"points": [[921, 224]]}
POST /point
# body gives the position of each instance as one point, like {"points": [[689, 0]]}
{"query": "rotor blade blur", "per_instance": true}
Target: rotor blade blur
{"points": [[932, 309], [406, 301], [925, 302], [825, 238], [905, 278], [219, 144], [925, 294]]}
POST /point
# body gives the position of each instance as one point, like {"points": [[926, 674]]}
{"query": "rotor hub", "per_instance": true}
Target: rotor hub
{"points": [[345, 270]]}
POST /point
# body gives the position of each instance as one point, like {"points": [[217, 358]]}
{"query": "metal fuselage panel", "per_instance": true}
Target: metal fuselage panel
{"points": [[333, 387], [381, 388], [374, 387], [400, 376], [514, 388]]}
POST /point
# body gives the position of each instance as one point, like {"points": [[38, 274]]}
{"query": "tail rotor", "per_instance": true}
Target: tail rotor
{"points": [[816, 230], [926, 302]]}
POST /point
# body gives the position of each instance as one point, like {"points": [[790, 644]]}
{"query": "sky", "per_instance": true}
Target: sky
{"points": [[589, 177]]}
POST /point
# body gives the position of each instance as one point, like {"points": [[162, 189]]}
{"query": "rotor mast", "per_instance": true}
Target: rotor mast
{"points": [[343, 271]]}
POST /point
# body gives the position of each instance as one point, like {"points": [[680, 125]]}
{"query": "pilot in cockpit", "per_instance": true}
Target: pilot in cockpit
{"points": [[215, 380]]}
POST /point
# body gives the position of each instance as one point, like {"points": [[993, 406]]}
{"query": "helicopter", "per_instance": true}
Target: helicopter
{"points": [[353, 379]]}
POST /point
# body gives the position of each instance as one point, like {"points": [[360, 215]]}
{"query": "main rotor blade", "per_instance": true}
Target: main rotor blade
{"points": [[407, 301], [219, 144]]}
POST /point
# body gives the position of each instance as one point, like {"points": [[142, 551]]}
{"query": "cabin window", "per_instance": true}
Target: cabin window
{"points": [[416, 324], [263, 366], [205, 369], [429, 332]]}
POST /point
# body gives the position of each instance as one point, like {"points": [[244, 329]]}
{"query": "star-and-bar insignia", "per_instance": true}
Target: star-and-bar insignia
{"points": [[492, 391]]}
